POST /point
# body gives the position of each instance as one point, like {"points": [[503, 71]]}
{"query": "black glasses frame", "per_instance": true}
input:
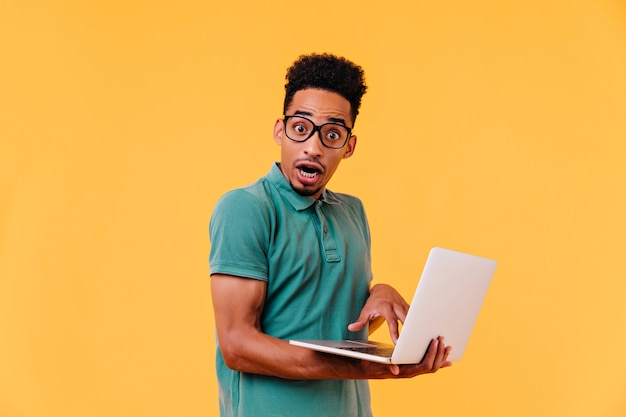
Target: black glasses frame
{"points": [[317, 129]]}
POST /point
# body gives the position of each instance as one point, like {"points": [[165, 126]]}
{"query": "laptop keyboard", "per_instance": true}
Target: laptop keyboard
{"points": [[378, 351]]}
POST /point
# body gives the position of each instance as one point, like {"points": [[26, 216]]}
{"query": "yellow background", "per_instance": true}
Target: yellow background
{"points": [[493, 127]]}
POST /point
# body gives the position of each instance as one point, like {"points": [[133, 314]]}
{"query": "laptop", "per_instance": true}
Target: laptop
{"points": [[446, 303]]}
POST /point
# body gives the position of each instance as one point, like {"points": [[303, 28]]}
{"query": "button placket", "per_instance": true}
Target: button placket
{"points": [[328, 242]]}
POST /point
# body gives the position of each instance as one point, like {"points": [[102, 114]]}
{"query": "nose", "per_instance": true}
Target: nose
{"points": [[314, 146]]}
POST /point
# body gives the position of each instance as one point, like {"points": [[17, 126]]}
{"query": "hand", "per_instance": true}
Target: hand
{"points": [[385, 303], [436, 358]]}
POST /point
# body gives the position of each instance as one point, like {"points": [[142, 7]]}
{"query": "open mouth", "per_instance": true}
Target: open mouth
{"points": [[308, 172]]}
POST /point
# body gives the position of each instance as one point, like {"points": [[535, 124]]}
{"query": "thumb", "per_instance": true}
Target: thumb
{"points": [[395, 369], [361, 322]]}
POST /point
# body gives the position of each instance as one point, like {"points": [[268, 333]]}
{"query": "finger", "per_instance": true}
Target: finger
{"points": [[393, 329], [401, 311], [395, 369], [441, 353], [356, 326], [360, 323], [446, 362], [441, 360], [392, 314], [431, 353]]}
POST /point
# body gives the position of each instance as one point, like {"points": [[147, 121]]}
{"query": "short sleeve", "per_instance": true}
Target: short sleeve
{"points": [[239, 232]]}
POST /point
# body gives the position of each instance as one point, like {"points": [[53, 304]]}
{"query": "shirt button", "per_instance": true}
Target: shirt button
{"points": [[325, 229]]}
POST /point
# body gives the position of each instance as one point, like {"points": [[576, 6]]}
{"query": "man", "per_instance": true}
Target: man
{"points": [[291, 260]]}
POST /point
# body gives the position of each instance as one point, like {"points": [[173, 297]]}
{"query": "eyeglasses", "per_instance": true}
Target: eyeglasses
{"points": [[332, 135]]}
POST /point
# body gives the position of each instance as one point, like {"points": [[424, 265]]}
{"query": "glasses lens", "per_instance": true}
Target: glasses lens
{"points": [[334, 135], [300, 129]]}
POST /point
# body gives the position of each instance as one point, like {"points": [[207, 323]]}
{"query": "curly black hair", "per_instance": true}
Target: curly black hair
{"points": [[327, 72]]}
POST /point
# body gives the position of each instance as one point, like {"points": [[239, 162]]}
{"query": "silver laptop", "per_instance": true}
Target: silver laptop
{"points": [[446, 303]]}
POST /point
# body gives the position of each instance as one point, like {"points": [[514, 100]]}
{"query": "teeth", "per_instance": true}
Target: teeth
{"points": [[308, 174]]}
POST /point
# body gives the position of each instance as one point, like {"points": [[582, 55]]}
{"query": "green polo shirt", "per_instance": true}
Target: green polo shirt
{"points": [[314, 256]]}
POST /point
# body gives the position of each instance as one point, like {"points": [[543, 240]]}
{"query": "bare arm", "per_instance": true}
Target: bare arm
{"points": [[238, 304]]}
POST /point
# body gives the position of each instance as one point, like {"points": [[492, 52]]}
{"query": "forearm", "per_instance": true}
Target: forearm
{"points": [[259, 353]]}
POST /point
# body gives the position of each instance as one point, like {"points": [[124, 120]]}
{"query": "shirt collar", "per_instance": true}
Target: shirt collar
{"points": [[299, 202]]}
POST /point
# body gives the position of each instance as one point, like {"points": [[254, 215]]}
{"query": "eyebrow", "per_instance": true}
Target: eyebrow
{"points": [[330, 119]]}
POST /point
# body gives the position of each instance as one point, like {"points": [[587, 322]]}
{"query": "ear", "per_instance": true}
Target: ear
{"points": [[279, 127], [350, 147]]}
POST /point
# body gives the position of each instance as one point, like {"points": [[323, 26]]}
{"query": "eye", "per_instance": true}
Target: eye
{"points": [[300, 128], [333, 135]]}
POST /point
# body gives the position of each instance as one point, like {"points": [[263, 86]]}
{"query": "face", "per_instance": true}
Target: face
{"points": [[309, 165]]}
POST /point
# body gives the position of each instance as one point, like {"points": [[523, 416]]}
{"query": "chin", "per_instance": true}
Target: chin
{"points": [[305, 192]]}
